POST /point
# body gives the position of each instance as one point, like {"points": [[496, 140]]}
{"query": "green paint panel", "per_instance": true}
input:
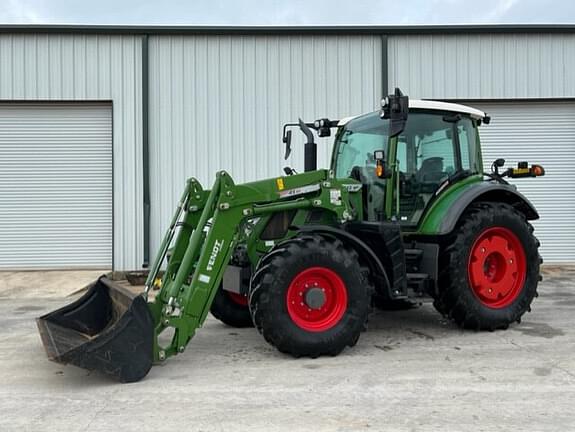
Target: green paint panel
{"points": [[443, 204]]}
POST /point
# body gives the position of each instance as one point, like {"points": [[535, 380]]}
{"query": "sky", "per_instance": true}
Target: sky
{"points": [[286, 12]]}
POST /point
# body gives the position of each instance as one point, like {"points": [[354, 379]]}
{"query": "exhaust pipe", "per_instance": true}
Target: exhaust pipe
{"points": [[310, 148]]}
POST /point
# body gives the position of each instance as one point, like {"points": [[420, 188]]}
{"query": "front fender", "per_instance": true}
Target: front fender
{"points": [[364, 251], [450, 205]]}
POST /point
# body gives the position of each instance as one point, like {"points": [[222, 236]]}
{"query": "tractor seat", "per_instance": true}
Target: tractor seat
{"points": [[431, 170]]}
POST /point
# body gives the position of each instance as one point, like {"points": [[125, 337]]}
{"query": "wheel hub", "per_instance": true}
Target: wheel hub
{"points": [[315, 297], [497, 267]]}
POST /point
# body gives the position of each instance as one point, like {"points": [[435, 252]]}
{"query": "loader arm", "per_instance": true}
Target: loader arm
{"points": [[208, 223], [120, 333]]}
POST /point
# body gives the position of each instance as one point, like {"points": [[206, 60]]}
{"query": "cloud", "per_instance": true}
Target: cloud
{"points": [[19, 11], [500, 10]]}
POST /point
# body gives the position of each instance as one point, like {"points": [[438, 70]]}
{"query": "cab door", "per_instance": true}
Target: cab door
{"points": [[434, 147]]}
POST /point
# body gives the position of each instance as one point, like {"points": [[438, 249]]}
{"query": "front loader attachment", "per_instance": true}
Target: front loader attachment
{"points": [[108, 329], [121, 334]]}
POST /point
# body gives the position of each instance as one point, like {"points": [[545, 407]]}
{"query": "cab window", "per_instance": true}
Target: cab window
{"points": [[433, 147], [357, 141], [354, 147]]}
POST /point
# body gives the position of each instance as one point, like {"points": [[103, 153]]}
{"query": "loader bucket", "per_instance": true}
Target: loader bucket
{"points": [[108, 329]]}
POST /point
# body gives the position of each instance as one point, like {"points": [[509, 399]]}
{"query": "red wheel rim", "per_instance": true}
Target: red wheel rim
{"points": [[497, 267], [240, 299], [326, 289]]}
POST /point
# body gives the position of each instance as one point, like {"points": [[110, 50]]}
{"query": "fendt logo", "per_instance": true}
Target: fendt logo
{"points": [[218, 245]]}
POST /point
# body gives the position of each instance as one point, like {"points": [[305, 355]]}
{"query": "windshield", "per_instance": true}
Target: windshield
{"points": [[356, 142]]}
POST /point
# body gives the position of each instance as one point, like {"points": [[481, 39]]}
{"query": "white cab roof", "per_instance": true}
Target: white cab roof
{"points": [[446, 106], [434, 105]]}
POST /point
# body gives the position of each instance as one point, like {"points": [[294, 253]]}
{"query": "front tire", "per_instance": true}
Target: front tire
{"points": [[309, 297], [490, 271]]}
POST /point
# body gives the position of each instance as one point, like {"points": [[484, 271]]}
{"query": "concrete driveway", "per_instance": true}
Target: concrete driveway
{"points": [[411, 371]]}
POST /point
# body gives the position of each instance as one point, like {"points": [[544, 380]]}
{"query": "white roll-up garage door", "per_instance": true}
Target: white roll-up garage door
{"points": [[55, 186], [544, 133]]}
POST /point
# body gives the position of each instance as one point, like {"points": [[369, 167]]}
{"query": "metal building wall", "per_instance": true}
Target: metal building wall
{"points": [[218, 102], [74, 67], [483, 66]]}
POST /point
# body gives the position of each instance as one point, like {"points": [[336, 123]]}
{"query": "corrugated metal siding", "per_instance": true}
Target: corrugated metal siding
{"points": [[541, 133], [219, 102], [55, 186], [93, 67], [483, 66]]}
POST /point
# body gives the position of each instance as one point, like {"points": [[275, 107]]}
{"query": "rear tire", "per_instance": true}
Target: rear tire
{"points": [[490, 272], [309, 297], [231, 309]]}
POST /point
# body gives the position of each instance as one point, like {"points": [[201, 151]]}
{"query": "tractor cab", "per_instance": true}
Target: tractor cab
{"points": [[437, 144]]}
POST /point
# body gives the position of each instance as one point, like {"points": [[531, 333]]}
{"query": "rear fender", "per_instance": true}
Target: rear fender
{"points": [[442, 218]]}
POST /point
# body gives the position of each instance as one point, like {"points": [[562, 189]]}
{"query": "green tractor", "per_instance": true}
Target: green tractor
{"points": [[405, 212]]}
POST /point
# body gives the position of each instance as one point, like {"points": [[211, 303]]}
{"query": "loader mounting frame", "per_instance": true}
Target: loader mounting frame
{"points": [[209, 224]]}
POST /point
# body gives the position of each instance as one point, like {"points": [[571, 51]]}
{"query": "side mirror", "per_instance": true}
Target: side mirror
{"points": [[287, 141], [395, 107], [497, 163]]}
